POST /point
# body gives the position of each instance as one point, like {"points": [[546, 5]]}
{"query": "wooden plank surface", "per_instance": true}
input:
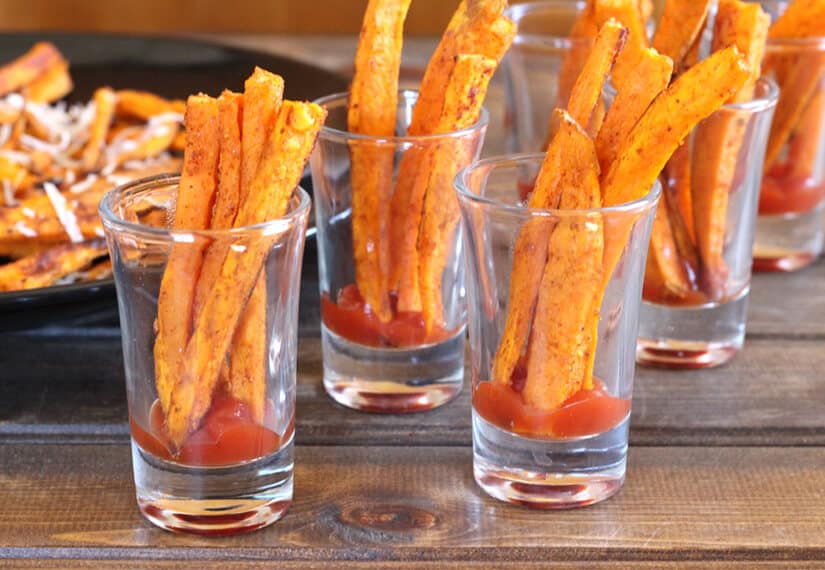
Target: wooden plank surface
{"points": [[406, 504], [771, 394]]}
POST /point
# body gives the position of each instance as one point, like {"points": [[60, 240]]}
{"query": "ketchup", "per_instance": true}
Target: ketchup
{"points": [[784, 193], [228, 435], [587, 412], [351, 318]]}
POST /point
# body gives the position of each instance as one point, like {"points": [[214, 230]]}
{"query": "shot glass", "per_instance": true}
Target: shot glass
{"points": [[791, 222], [229, 469], [698, 273], [539, 69], [405, 360], [550, 430]]}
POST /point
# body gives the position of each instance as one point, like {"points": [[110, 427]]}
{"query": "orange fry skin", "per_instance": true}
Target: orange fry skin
{"points": [[144, 105], [681, 25], [804, 150], [279, 172], [665, 257], [463, 99], [802, 19], [105, 101], [587, 90], [718, 140], [562, 342], [45, 268], [263, 96], [55, 83], [626, 12], [631, 101], [19, 73], [193, 211], [373, 101], [562, 164]]}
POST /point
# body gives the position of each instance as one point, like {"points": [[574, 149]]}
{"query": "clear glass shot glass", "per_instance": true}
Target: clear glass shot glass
{"points": [[397, 363], [549, 436], [790, 229], [231, 468], [698, 274], [539, 69]]}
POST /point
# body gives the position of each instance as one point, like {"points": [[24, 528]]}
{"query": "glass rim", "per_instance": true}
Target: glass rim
{"points": [[813, 42], [464, 192], [760, 103], [330, 133], [113, 221], [517, 12]]}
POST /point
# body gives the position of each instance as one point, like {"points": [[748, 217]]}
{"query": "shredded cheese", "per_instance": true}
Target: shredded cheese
{"points": [[64, 213]]}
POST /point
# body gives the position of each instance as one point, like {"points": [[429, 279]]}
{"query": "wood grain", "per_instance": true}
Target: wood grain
{"points": [[109, 564], [771, 394], [403, 504]]}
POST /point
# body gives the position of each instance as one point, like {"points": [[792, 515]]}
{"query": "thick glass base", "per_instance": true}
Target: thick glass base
{"points": [[788, 242], [392, 380], [214, 501], [691, 337], [548, 474]]}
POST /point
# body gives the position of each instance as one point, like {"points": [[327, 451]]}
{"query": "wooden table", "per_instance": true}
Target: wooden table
{"points": [[726, 467]]}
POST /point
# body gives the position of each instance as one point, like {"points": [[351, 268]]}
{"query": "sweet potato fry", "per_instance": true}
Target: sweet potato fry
{"points": [[646, 9], [626, 12], [480, 30], [800, 82], [46, 268], [718, 140], [52, 85], [144, 105], [807, 138], [696, 94], [263, 95], [24, 70], [372, 106], [584, 28], [664, 255], [149, 142], [587, 90], [677, 174], [193, 211], [562, 340], [802, 19], [566, 162], [105, 101], [632, 99], [464, 96], [279, 172], [681, 25]]}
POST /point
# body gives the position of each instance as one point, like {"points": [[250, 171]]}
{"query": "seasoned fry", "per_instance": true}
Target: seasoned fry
{"points": [[280, 169], [677, 173], [24, 70], [105, 101], [696, 94], [626, 12], [46, 268], [193, 210], [802, 19], [562, 341], [807, 138], [263, 95], [372, 106], [144, 105], [465, 92], [54, 84], [480, 30], [681, 25], [718, 141], [565, 163], [588, 87], [151, 141], [632, 99], [664, 255]]}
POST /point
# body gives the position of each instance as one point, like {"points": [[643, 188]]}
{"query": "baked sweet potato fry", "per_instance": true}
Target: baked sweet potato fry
{"points": [[802, 19], [807, 138], [696, 94], [46, 268], [105, 101], [626, 12], [463, 98], [279, 172], [373, 101], [566, 161], [562, 339], [632, 98], [677, 182], [52, 85], [193, 211], [664, 255], [263, 96], [21, 72], [144, 105], [681, 25], [718, 140]]}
